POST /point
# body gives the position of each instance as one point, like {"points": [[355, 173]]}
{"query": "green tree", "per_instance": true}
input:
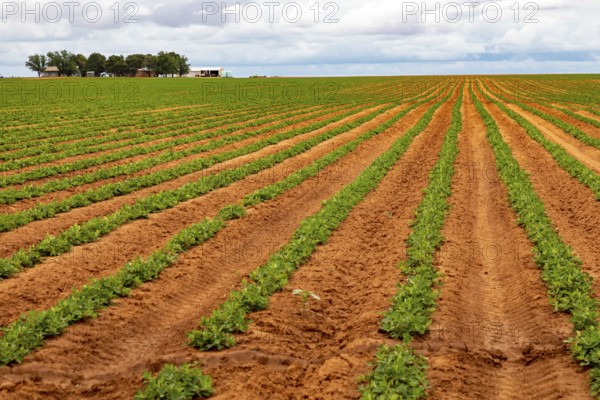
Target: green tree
{"points": [[166, 64], [64, 61], [96, 62], [134, 62], [37, 63], [182, 62], [184, 65], [150, 62], [80, 61], [116, 65]]}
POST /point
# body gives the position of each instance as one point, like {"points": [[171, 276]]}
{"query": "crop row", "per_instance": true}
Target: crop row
{"points": [[66, 123], [399, 372], [579, 91], [43, 211], [190, 135], [54, 131], [216, 331], [137, 136], [29, 331], [104, 140], [142, 136], [569, 163], [569, 288], [564, 126], [97, 227], [50, 127], [13, 195], [593, 111], [580, 117], [93, 136], [26, 120], [572, 114], [185, 382], [125, 126], [402, 92]]}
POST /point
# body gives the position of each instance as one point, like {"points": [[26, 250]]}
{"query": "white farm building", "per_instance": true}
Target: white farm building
{"points": [[205, 72]]}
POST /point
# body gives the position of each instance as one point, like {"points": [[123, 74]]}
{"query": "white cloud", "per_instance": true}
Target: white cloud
{"points": [[369, 37]]}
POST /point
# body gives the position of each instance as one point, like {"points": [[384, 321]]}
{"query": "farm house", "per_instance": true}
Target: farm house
{"points": [[49, 72], [144, 73]]}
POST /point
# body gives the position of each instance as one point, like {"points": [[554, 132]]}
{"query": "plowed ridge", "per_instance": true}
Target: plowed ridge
{"points": [[494, 334], [216, 265]]}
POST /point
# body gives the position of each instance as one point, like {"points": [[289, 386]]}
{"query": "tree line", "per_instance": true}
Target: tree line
{"points": [[68, 64]]}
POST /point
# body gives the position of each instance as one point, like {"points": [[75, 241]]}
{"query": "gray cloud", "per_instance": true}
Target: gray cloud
{"points": [[567, 35]]}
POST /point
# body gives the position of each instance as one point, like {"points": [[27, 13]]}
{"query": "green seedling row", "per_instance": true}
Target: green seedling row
{"points": [[570, 289], [216, 332], [98, 227], [81, 137], [9, 196], [569, 163], [399, 372], [564, 126], [30, 330], [142, 137], [12, 221], [195, 135], [169, 384]]}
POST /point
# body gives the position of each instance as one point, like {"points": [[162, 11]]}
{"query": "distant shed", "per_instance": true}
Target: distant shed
{"points": [[49, 72], [144, 73], [205, 72]]}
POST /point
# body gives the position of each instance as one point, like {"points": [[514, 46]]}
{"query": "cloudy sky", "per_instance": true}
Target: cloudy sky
{"points": [[309, 38]]}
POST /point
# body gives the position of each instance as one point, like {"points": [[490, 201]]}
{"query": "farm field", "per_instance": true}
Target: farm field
{"points": [[310, 238]]}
